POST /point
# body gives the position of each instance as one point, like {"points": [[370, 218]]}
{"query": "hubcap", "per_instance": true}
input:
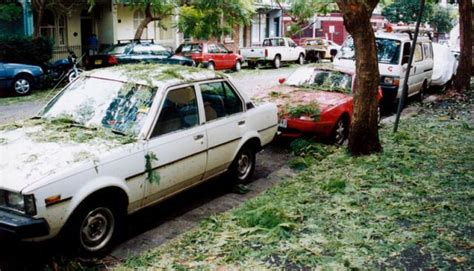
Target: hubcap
{"points": [[340, 133], [301, 60], [22, 86], [237, 66], [277, 62], [97, 229], [211, 66], [244, 164]]}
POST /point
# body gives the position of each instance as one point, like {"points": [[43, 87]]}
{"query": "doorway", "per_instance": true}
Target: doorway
{"points": [[87, 29]]}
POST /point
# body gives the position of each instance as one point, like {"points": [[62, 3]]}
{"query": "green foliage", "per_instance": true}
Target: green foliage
{"points": [[310, 109], [10, 11], [441, 20], [22, 49], [302, 12], [151, 175], [204, 19], [409, 207]]}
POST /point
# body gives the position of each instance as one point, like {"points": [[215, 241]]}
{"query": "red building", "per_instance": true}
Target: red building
{"points": [[330, 27]]}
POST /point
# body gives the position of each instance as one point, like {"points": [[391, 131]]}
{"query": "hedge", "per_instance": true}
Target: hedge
{"points": [[23, 49]]}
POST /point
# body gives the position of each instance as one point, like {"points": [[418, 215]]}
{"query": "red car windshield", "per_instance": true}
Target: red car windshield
{"points": [[325, 80]]}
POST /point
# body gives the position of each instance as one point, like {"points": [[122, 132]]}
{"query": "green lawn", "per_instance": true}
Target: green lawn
{"points": [[36, 96], [408, 207]]}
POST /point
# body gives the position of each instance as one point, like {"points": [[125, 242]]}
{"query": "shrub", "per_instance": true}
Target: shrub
{"points": [[23, 49]]}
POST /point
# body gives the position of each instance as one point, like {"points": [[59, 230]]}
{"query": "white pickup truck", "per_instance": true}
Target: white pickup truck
{"points": [[119, 139], [274, 51]]}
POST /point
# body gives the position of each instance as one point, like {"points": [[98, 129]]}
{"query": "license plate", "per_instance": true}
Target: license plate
{"points": [[98, 62], [283, 123]]}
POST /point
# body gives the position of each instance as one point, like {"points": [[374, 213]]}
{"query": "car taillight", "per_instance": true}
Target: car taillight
{"points": [[266, 52], [112, 60]]}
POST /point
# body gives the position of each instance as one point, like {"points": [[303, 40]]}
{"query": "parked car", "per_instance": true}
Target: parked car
{"points": [[214, 56], [444, 65], [144, 51], [119, 139], [315, 101], [393, 51], [19, 79], [319, 48], [274, 51]]}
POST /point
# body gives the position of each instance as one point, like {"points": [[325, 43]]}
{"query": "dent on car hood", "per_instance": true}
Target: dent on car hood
{"points": [[34, 149]]}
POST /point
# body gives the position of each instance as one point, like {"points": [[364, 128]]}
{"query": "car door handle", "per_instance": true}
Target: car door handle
{"points": [[242, 122], [197, 137]]}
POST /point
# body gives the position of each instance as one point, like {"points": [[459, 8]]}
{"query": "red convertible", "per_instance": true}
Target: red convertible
{"points": [[315, 101]]}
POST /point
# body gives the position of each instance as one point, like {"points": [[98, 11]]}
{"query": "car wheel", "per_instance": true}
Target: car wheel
{"points": [[422, 93], [22, 85], [244, 164], [74, 74], [94, 227], [341, 131], [277, 62], [300, 59], [238, 66], [379, 114], [211, 66]]}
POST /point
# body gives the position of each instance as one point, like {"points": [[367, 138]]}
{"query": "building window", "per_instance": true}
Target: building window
{"points": [[138, 17], [166, 29], [54, 28]]}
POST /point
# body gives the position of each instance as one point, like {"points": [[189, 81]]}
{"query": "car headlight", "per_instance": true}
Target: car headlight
{"points": [[18, 202]]}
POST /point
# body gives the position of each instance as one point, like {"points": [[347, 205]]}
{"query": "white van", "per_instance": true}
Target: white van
{"points": [[393, 54]]}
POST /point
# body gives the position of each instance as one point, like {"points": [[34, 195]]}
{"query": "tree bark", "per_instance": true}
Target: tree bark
{"points": [[363, 134], [463, 74], [39, 6], [143, 24]]}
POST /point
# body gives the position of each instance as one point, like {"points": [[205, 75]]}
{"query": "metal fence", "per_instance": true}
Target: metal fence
{"points": [[60, 52]]}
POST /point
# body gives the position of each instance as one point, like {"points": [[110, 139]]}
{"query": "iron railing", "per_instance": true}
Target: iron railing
{"points": [[60, 52]]}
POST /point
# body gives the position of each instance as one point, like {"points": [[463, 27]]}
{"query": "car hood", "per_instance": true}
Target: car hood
{"points": [[20, 66], [290, 96], [29, 154]]}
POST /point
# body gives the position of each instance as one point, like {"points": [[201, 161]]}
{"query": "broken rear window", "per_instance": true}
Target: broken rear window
{"points": [[96, 102], [326, 80]]}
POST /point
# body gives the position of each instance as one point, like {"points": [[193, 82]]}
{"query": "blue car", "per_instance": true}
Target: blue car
{"points": [[19, 79]]}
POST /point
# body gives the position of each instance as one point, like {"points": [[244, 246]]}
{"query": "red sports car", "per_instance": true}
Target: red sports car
{"points": [[211, 55], [315, 101]]}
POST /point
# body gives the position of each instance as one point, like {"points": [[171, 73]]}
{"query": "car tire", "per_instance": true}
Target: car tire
{"points": [[277, 62], [340, 132], [22, 85], [94, 227], [379, 114], [211, 66], [73, 75], [243, 166], [300, 60], [421, 94], [238, 66]]}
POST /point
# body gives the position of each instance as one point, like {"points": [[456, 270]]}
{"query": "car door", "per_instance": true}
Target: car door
{"points": [[225, 124], [228, 59], [418, 71], [215, 55], [176, 150], [294, 54]]}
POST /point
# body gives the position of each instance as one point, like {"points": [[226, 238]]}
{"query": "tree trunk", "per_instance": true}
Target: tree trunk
{"points": [[39, 6], [363, 135], [148, 19], [463, 74]]}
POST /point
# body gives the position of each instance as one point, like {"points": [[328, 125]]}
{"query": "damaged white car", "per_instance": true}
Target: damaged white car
{"points": [[120, 139]]}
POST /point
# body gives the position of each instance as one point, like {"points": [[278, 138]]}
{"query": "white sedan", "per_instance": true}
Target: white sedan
{"points": [[119, 139]]}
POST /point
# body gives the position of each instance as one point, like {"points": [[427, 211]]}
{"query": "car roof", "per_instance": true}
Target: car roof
{"points": [[155, 75], [399, 36]]}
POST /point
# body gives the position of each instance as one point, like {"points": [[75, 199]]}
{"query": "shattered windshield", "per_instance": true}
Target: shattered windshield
{"points": [[388, 50], [117, 49], [325, 80], [96, 102]]}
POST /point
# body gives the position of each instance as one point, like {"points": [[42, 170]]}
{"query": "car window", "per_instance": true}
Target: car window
{"points": [[189, 48], [117, 49], [220, 100], [179, 111], [223, 49], [212, 48], [290, 43], [159, 50], [418, 56], [141, 50], [427, 50]]}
